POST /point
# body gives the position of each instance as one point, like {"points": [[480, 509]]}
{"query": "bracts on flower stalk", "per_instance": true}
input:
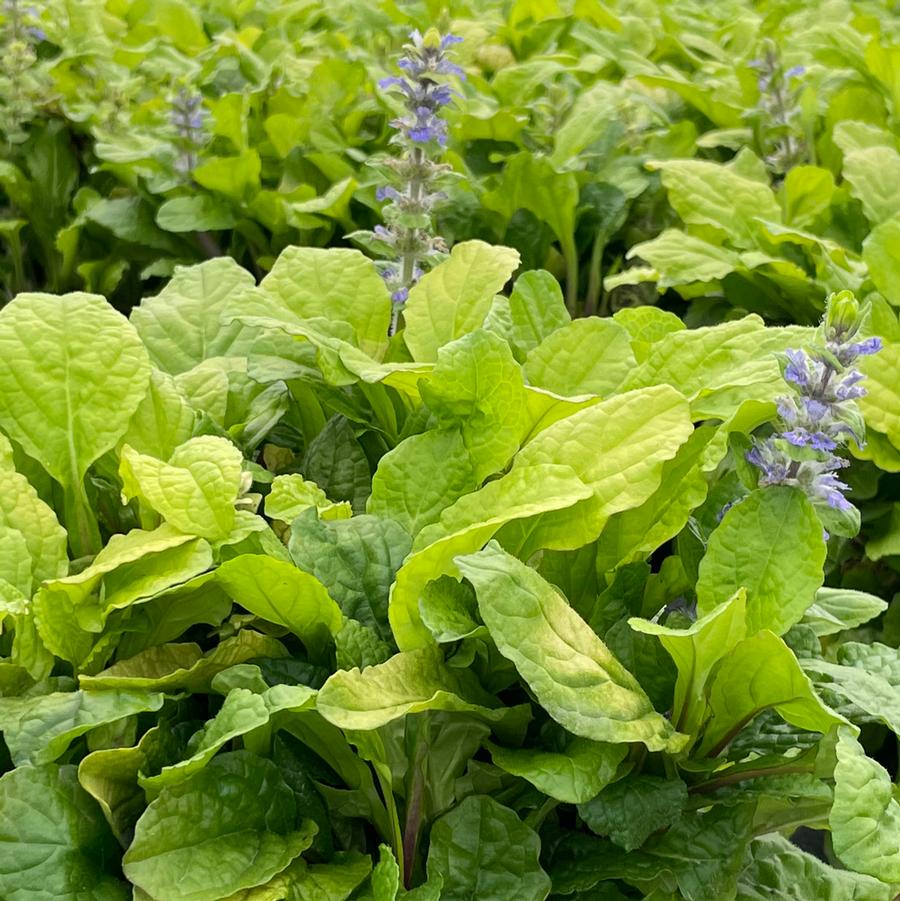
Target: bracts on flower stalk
{"points": [[406, 242], [820, 416]]}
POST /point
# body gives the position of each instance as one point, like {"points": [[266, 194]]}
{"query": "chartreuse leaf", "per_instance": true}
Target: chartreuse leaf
{"points": [[776, 868], [646, 326], [195, 491], [163, 420], [872, 173], [336, 285], [481, 849], [232, 826], [696, 650], [283, 594], [39, 729], [410, 682], [837, 609], [761, 672], [291, 494], [587, 356], [770, 543], [879, 405], [537, 309], [477, 386], [63, 414], [450, 610], [172, 667], [54, 842], [24, 513], [355, 559], [574, 775], [678, 258], [631, 810], [131, 568], [618, 448], [334, 881], [182, 325], [865, 817], [571, 672], [633, 534], [453, 298], [710, 194], [242, 712], [881, 255], [466, 526]]}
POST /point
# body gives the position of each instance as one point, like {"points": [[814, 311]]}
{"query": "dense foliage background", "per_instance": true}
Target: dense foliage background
{"points": [[494, 608]]}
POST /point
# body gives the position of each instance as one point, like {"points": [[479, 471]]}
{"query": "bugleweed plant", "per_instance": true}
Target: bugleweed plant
{"points": [[294, 611]]}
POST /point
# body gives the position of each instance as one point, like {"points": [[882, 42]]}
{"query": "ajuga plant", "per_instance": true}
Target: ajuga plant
{"points": [[820, 416], [414, 173], [777, 116]]}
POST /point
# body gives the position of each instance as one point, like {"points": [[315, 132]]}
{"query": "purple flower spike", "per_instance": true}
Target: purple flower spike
{"points": [[795, 71], [797, 370]]}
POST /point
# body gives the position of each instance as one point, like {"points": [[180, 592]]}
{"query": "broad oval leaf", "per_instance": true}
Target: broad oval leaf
{"points": [[572, 673], [72, 373]]}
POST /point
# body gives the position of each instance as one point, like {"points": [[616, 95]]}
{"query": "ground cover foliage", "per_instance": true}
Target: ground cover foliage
{"points": [[319, 585]]}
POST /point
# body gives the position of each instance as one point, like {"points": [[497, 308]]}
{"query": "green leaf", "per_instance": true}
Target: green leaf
{"points": [[333, 881], [867, 676], [182, 325], [232, 826], [703, 852], [466, 526], [778, 869], [195, 214], [838, 609], [195, 491], [453, 298], [646, 326], [574, 775], [356, 645], [237, 177], [710, 194], [62, 414], [355, 559], [39, 729], [291, 494], [337, 284], [410, 682], [587, 356], [421, 477], [282, 594], [450, 610], [631, 810], [696, 651], [865, 817], [242, 712], [872, 173], [536, 309], [570, 671], [481, 849], [54, 842], [761, 672], [336, 462], [771, 544]]}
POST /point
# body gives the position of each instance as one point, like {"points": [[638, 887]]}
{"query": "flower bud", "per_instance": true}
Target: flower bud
{"points": [[841, 315]]}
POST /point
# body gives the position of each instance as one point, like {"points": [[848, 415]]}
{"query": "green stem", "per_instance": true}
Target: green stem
{"points": [[741, 776], [537, 816], [81, 524], [595, 283], [570, 255], [415, 804]]}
